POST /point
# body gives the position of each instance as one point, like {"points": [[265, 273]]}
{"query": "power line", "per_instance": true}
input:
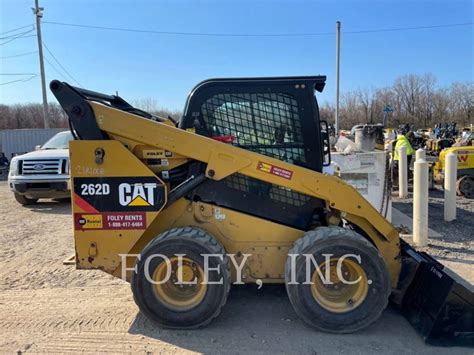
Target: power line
{"points": [[17, 74], [55, 69], [16, 29], [18, 55], [18, 37], [17, 34], [20, 80], [57, 61], [413, 28], [186, 33], [255, 34]]}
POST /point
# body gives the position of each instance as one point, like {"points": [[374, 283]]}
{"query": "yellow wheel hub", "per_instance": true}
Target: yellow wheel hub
{"points": [[343, 294], [175, 295]]}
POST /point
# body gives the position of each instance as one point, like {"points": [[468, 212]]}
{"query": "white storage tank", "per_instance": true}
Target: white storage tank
{"points": [[367, 172]]}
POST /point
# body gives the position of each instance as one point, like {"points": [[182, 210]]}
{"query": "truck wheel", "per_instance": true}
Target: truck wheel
{"points": [[340, 299], [24, 200], [465, 186], [156, 287]]}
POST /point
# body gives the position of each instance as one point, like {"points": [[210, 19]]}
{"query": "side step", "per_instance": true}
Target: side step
{"points": [[436, 301]]}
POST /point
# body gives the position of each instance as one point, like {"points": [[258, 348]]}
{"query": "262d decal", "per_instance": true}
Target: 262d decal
{"points": [[119, 194]]}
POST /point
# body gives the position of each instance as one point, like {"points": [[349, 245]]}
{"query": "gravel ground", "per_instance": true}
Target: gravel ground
{"points": [[48, 307], [455, 248]]}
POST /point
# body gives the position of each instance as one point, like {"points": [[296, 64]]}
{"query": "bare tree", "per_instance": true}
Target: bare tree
{"points": [[462, 102], [151, 105], [441, 104], [327, 112], [426, 99], [409, 89], [367, 104]]}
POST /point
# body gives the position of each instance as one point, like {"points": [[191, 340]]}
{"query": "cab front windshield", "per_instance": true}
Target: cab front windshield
{"points": [[59, 141]]}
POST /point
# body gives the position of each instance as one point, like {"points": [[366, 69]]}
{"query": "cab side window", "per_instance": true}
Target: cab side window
{"points": [[266, 123]]}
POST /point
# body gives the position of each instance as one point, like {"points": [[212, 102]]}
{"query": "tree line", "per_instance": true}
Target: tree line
{"points": [[30, 115], [415, 99]]}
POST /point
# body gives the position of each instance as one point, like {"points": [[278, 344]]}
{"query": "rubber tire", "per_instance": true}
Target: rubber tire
{"points": [[23, 200], [338, 241], [465, 186], [192, 242]]}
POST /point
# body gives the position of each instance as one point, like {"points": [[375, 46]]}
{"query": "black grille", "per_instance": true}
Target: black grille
{"points": [[265, 190]]}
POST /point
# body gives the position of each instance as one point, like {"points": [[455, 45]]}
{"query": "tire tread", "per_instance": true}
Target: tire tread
{"points": [[322, 234], [204, 238]]}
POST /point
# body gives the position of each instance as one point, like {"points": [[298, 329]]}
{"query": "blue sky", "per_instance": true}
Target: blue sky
{"points": [[166, 67]]}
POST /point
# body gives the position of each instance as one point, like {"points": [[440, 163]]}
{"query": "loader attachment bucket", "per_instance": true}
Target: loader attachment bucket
{"points": [[438, 303]]}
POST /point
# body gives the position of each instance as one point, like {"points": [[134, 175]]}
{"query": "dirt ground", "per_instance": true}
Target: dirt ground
{"points": [[48, 307]]}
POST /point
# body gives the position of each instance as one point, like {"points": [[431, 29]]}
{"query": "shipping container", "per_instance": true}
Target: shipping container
{"points": [[19, 141]]}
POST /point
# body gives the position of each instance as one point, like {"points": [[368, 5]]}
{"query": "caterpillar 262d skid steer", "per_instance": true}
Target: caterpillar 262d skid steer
{"points": [[235, 192]]}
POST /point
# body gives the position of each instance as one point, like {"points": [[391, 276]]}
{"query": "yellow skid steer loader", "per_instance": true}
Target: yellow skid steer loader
{"points": [[235, 193]]}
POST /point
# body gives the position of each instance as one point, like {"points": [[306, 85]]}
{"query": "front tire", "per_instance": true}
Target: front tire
{"points": [[175, 305], [23, 200], [336, 306]]}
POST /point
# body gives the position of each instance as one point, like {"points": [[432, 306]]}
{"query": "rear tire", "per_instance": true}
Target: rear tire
{"points": [[182, 306], [338, 307], [23, 200]]}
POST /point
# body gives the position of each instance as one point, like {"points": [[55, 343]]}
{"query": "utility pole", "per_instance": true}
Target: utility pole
{"points": [[338, 47], [38, 12]]}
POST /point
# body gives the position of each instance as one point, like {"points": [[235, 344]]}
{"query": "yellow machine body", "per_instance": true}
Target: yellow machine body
{"points": [[103, 240], [465, 156]]}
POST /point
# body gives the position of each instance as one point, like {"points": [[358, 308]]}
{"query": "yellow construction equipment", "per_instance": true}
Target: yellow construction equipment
{"points": [[464, 150], [235, 193]]}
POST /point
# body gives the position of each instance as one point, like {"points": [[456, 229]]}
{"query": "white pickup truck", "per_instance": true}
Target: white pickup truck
{"points": [[43, 173]]}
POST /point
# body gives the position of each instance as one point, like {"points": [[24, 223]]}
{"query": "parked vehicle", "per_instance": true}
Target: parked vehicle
{"points": [[43, 173]]}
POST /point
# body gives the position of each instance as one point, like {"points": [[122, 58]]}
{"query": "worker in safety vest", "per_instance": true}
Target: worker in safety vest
{"points": [[402, 141]]}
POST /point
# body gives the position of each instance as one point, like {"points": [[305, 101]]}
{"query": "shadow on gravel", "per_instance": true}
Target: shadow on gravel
{"points": [[263, 320], [455, 259], [452, 249], [51, 207]]}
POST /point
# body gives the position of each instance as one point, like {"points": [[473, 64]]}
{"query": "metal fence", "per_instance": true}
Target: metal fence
{"points": [[18, 141]]}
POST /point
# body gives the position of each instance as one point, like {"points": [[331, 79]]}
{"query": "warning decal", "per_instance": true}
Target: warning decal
{"points": [[107, 221], [274, 170]]}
